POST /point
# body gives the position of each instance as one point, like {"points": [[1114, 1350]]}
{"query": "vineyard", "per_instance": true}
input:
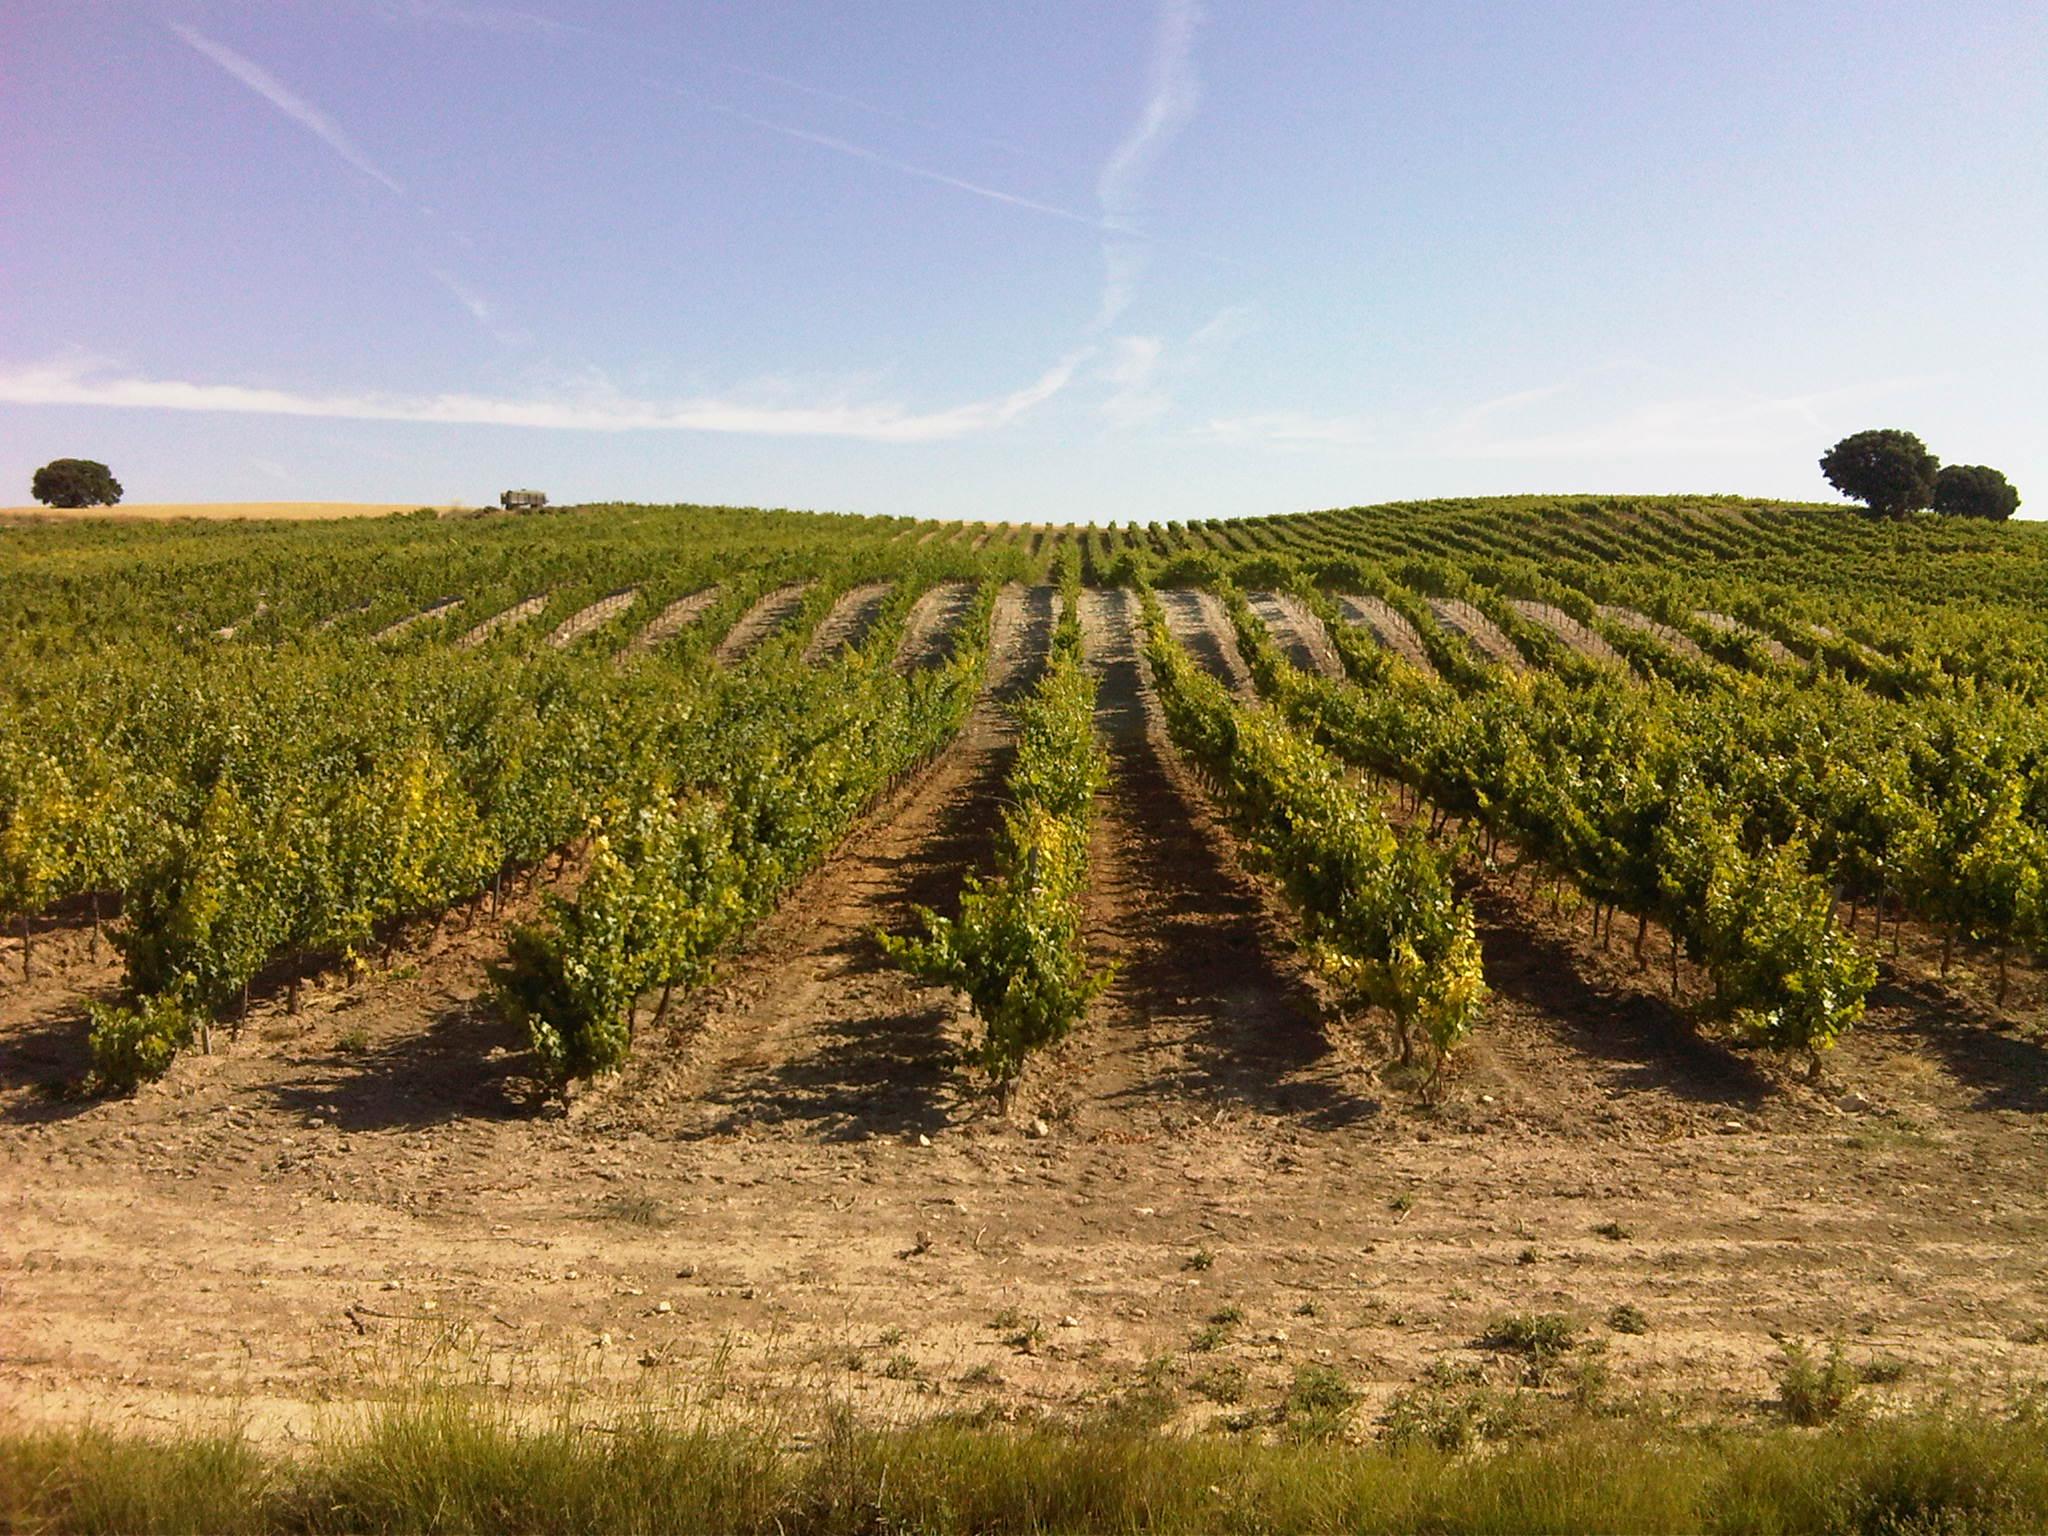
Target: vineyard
{"points": [[1306, 936]]}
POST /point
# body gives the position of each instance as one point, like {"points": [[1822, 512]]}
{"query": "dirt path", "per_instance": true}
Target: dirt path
{"points": [[398, 627], [1664, 634], [1207, 1017], [1727, 624], [1298, 632], [671, 621], [1388, 627], [811, 1033], [1588, 642], [934, 619], [497, 623], [1198, 622], [847, 625], [1461, 618], [592, 616], [760, 623]]}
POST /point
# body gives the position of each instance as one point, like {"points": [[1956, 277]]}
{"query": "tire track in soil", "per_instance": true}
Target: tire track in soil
{"points": [[809, 1032], [1203, 1017]]}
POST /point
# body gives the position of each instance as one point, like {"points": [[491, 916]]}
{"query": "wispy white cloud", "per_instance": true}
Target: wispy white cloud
{"points": [[1172, 93], [487, 18], [1123, 263], [74, 382], [1513, 401], [478, 308], [1229, 325], [287, 101], [497, 18], [902, 167], [1144, 372], [324, 128], [1133, 372], [1170, 99], [1294, 429], [872, 109]]}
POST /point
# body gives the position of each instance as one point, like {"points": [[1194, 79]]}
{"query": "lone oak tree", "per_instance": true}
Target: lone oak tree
{"points": [[75, 483], [1975, 490], [1889, 471]]}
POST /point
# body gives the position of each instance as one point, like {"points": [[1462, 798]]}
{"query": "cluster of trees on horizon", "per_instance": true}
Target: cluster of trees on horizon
{"points": [[1890, 471]]}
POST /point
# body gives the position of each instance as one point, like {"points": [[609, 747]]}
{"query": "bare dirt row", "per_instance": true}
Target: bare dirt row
{"points": [[504, 619], [1581, 637], [1461, 618], [592, 616], [1389, 627], [1298, 633], [672, 620], [847, 625], [761, 623], [933, 621]]}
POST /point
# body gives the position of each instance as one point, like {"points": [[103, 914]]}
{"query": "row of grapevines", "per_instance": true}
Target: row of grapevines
{"points": [[106, 792], [1933, 800], [319, 817], [676, 875], [123, 708], [1937, 806], [112, 746], [1613, 800], [1016, 948], [1913, 607], [1377, 907], [87, 585], [298, 817], [121, 698]]}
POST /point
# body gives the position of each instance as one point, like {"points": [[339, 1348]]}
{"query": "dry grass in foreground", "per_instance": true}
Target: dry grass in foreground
{"points": [[443, 1463]]}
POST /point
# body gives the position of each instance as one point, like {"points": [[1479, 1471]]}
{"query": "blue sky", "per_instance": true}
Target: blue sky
{"points": [[1159, 259]]}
